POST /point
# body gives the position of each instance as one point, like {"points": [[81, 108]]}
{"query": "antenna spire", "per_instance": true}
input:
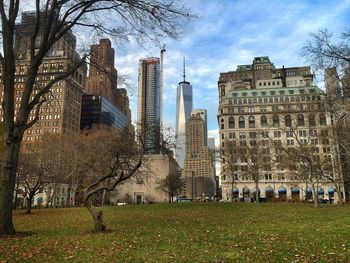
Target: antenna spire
{"points": [[184, 75]]}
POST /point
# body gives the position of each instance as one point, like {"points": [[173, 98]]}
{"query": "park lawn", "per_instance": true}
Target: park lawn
{"points": [[188, 232]]}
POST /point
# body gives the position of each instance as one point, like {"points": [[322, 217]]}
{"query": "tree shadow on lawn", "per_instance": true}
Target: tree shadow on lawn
{"points": [[19, 234]]}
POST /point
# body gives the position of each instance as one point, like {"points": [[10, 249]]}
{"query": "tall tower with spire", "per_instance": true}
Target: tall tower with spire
{"points": [[184, 105]]}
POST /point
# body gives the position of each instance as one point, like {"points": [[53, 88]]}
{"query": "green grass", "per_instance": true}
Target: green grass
{"points": [[191, 232]]}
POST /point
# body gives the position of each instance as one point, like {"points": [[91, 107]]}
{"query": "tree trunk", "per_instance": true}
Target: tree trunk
{"points": [[7, 186], [68, 195], [315, 196], [15, 202], [339, 192], [257, 192], [29, 205], [97, 216]]}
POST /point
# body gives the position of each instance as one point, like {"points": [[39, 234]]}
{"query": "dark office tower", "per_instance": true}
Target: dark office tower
{"points": [[103, 76]]}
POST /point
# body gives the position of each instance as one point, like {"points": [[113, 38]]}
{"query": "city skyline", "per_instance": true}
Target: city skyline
{"points": [[218, 41]]}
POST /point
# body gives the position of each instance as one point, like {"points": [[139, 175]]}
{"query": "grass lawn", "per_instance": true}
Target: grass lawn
{"points": [[188, 232]]}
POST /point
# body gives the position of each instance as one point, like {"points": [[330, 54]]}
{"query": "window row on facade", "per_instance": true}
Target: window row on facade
{"points": [[276, 121], [273, 100]]}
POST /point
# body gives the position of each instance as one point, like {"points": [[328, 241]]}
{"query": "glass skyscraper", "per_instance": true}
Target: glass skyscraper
{"points": [[149, 100], [183, 113]]}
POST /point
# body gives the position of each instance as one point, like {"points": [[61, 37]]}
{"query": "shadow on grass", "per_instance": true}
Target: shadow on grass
{"points": [[19, 234], [107, 231]]}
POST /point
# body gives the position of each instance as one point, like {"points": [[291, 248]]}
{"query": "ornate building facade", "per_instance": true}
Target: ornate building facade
{"points": [[264, 111]]}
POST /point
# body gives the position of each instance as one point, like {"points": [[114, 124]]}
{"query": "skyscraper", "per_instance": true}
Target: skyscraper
{"points": [[183, 112], [198, 173], [148, 112], [103, 77], [203, 114], [60, 114]]}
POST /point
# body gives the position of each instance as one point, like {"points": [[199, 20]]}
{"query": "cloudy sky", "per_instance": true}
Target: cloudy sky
{"points": [[228, 33]]}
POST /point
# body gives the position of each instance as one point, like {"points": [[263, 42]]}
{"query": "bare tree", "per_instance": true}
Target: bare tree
{"points": [[254, 161], [108, 158], [228, 156], [333, 57], [53, 19], [36, 170], [302, 158], [323, 52], [171, 185]]}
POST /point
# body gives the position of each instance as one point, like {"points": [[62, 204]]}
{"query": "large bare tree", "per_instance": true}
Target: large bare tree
{"points": [[331, 55], [108, 157], [38, 168], [151, 19]]}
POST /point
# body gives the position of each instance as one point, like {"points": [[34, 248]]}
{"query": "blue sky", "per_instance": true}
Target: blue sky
{"points": [[228, 33]]}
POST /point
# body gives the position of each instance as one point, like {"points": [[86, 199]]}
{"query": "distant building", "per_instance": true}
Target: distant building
{"points": [[211, 143], [183, 112], [96, 109], [145, 187], [149, 99], [203, 114], [61, 113], [103, 77], [260, 104], [198, 174]]}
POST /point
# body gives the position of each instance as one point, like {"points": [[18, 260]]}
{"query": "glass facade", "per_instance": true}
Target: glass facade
{"points": [[98, 110], [183, 112]]}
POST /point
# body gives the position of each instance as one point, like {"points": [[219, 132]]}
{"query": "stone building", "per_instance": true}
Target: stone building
{"points": [[61, 113], [198, 173], [261, 106], [145, 186], [103, 77]]}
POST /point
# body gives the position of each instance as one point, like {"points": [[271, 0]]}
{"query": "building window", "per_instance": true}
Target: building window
{"points": [[300, 120], [242, 136], [277, 134], [312, 121], [251, 122], [276, 121], [241, 122], [252, 135], [288, 120], [223, 90], [323, 120], [302, 133], [232, 135], [263, 121], [231, 122]]}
